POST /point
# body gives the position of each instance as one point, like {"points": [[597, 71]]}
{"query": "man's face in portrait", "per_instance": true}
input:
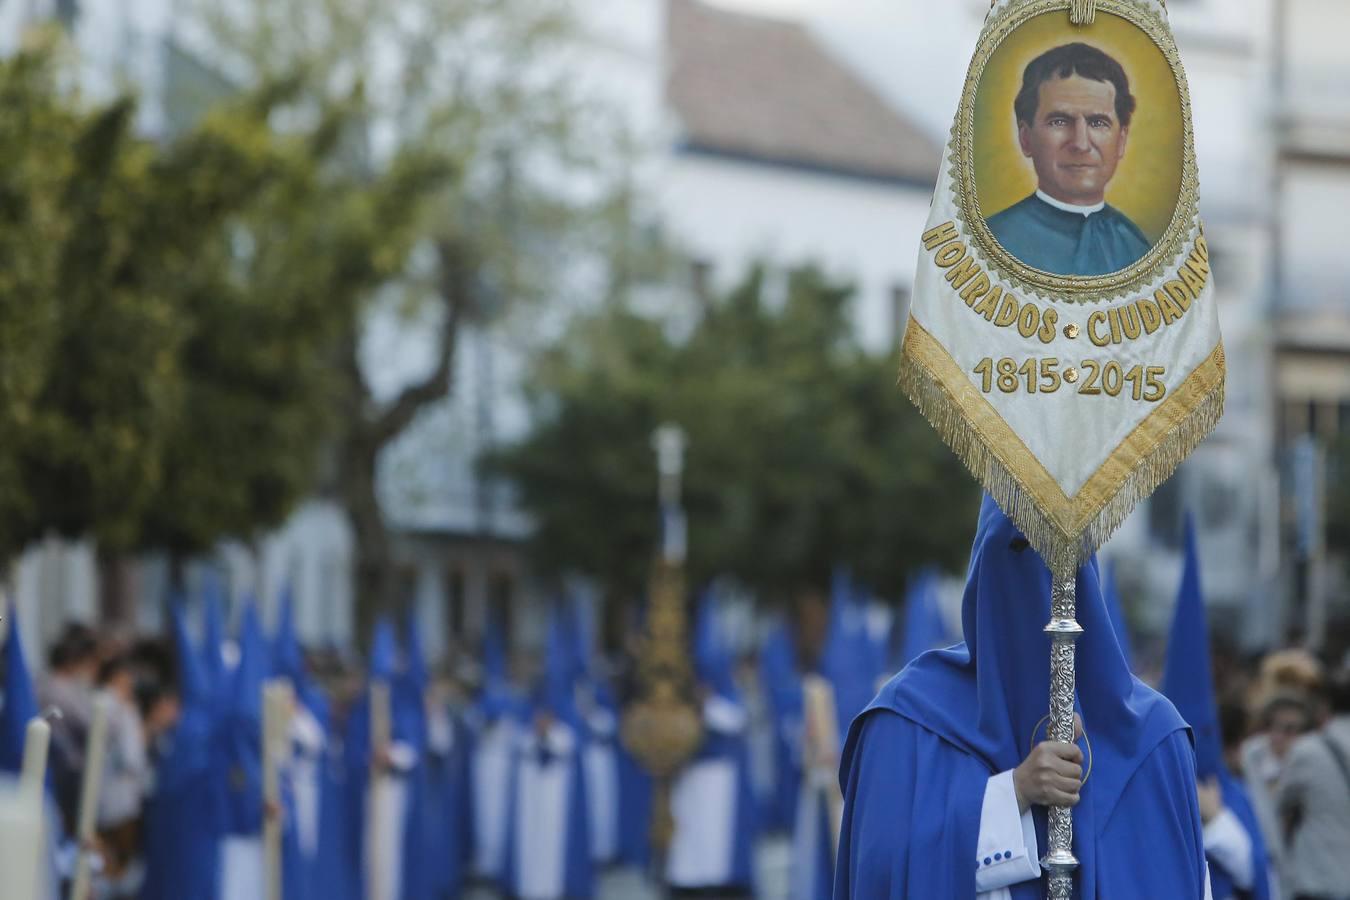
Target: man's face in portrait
{"points": [[1076, 140]]}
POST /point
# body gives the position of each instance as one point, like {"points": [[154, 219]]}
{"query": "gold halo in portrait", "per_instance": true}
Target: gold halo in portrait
{"points": [[1155, 185]]}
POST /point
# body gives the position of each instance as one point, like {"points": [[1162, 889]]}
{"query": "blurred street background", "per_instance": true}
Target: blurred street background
{"points": [[356, 311]]}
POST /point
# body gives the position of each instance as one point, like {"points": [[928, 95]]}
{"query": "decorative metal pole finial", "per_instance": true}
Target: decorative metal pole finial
{"points": [[663, 728]]}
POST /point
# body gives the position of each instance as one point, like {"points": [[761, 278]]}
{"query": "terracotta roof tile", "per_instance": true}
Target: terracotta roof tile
{"points": [[768, 90]]}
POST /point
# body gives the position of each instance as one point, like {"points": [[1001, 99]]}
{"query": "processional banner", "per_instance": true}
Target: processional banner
{"points": [[1063, 336]]}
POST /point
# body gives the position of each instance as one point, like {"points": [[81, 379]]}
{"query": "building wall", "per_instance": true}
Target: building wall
{"points": [[731, 214]]}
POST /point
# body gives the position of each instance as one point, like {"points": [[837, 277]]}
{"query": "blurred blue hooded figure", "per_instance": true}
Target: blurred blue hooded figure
{"points": [[782, 680], [850, 667], [382, 781], [844, 661], [306, 795], [1234, 845], [1116, 609], [185, 818], [548, 844], [213, 641], [924, 626], [496, 718], [600, 720], [930, 805], [18, 707], [436, 862], [713, 799], [242, 875], [18, 700]]}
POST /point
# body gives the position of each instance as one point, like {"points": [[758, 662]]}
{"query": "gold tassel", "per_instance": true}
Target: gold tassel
{"points": [[1059, 550], [1082, 12]]}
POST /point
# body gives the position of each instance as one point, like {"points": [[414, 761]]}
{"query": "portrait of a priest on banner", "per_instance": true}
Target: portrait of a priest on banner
{"points": [[1073, 115]]}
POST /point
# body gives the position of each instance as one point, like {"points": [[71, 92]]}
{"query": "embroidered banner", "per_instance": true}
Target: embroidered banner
{"points": [[1063, 336]]}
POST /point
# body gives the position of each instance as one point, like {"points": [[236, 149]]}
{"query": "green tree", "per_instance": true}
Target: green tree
{"points": [[171, 312], [802, 453], [38, 134], [478, 83], [267, 308]]}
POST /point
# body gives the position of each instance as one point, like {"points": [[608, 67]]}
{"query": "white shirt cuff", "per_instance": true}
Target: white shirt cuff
{"points": [[402, 756], [723, 716], [1006, 851], [1228, 845]]}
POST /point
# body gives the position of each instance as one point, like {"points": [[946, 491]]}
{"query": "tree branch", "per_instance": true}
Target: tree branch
{"points": [[455, 291]]}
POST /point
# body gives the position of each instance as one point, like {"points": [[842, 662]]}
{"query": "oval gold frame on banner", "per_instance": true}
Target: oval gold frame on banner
{"points": [[1077, 289]]}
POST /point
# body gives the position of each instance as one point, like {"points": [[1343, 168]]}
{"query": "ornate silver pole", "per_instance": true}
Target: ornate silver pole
{"points": [[1064, 631]]}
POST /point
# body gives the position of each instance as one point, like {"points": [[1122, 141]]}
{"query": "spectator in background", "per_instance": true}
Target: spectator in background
{"points": [[1313, 799], [126, 772], [1282, 718], [69, 687]]}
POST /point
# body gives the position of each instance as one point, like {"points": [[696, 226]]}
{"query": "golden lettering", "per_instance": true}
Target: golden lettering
{"points": [[1129, 321], [1178, 292], [1097, 318], [1113, 316], [950, 255], [1049, 319], [958, 275], [1194, 282], [1150, 315], [976, 289], [1170, 310], [1007, 313], [935, 237], [1028, 320], [1199, 265], [989, 305]]}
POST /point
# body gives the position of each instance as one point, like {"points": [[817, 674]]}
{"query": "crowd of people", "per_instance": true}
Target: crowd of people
{"points": [[406, 783]]}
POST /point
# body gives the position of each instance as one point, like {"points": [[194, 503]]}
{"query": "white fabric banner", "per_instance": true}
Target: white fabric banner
{"points": [[1063, 336]]}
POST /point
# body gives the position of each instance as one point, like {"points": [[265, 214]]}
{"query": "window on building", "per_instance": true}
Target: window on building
{"points": [[501, 602], [405, 587], [455, 601]]}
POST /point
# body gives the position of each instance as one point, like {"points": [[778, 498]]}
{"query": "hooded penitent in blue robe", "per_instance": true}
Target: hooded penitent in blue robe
{"points": [[846, 660], [916, 763], [304, 781], [335, 874], [497, 714], [436, 859], [547, 854], [1114, 608], [635, 809], [18, 700], [713, 798], [395, 797], [240, 739], [1189, 683], [213, 642], [1068, 243], [925, 628], [782, 680], [184, 816], [848, 664]]}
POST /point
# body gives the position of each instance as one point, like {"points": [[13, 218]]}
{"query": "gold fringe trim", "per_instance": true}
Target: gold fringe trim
{"points": [[1065, 531], [1083, 12]]}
